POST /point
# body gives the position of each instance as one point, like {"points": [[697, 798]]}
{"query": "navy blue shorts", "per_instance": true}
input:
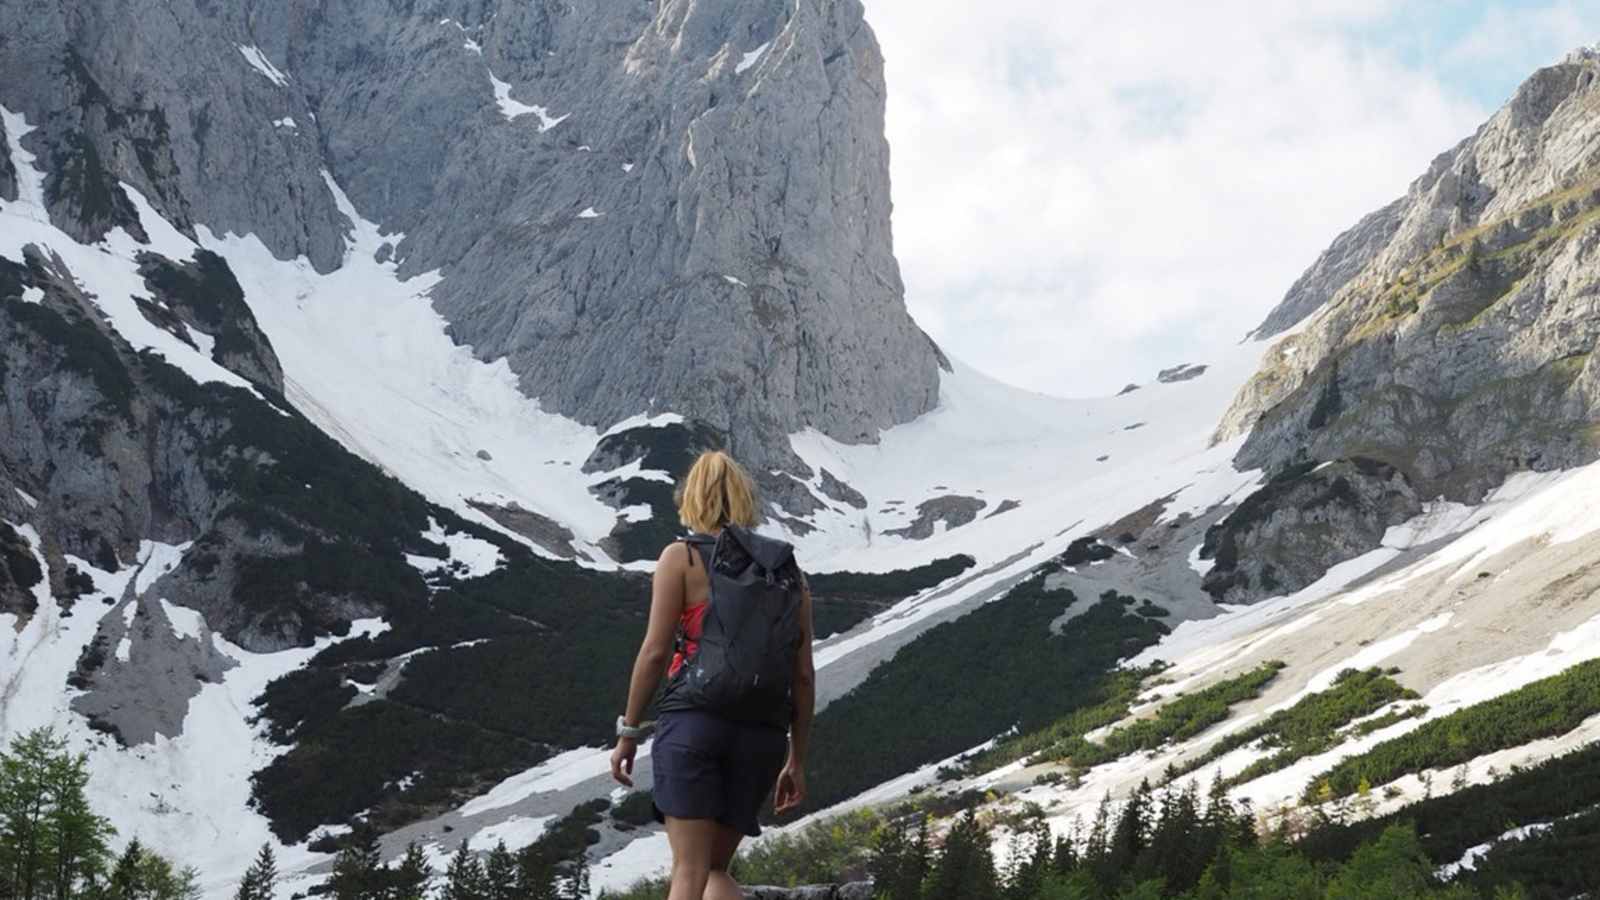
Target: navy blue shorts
{"points": [[706, 767]]}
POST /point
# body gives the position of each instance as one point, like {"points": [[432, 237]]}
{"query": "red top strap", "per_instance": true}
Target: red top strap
{"points": [[691, 624]]}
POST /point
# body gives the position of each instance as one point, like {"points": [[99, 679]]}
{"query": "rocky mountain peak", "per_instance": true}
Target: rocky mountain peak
{"points": [[677, 206], [1450, 335]]}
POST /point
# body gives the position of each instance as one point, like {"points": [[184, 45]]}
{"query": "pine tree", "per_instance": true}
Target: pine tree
{"points": [[1177, 845], [188, 884], [578, 880], [157, 879], [889, 851], [538, 874], [1130, 836], [358, 871], [260, 881], [1099, 840], [965, 870], [127, 879], [410, 879], [1028, 870], [500, 874], [1066, 860], [464, 878]]}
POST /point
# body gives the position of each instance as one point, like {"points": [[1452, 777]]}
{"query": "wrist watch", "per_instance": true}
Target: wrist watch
{"points": [[632, 731]]}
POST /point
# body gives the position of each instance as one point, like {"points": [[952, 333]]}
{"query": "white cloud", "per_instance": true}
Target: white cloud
{"points": [[1086, 192]]}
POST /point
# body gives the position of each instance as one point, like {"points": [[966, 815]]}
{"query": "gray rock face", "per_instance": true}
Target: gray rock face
{"points": [[8, 174], [148, 693], [953, 510], [834, 489], [1184, 372], [204, 296], [162, 97], [543, 530], [1344, 259], [1287, 534], [629, 202], [1462, 350], [119, 447]]}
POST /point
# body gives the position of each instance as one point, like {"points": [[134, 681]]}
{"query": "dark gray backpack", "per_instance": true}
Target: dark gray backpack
{"points": [[743, 666]]}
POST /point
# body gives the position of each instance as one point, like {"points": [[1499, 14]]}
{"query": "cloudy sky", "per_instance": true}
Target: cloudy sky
{"points": [[1086, 192]]}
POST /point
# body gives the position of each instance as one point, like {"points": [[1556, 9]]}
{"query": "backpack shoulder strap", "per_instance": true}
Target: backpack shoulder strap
{"points": [[696, 542]]}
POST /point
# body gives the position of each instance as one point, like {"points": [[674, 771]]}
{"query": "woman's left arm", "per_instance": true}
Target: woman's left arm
{"points": [[666, 607]]}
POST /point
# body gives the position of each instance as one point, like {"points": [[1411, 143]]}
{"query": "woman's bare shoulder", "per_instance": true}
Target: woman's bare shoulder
{"points": [[671, 556]]}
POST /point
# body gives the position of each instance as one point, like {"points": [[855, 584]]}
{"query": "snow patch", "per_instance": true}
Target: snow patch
{"points": [[557, 773], [30, 180], [750, 59], [644, 420], [627, 167], [589, 213], [285, 122], [1553, 507], [517, 832], [643, 858], [732, 280], [130, 609], [639, 512], [1469, 860], [1371, 655], [258, 61], [155, 560], [27, 498], [511, 109], [478, 555], [368, 360], [32, 294], [186, 622]]}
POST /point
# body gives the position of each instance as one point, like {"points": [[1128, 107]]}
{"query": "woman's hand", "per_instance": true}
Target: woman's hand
{"points": [[622, 760], [791, 789]]}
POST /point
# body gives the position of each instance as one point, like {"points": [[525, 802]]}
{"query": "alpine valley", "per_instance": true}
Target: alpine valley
{"points": [[349, 353]]}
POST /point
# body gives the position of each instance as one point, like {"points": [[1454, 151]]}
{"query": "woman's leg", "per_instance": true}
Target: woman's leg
{"points": [[721, 885], [692, 841]]}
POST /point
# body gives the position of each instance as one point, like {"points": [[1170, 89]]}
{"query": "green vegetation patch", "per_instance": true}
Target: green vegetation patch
{"points": [[1475, 814], [961, 683], [1114, 696], [1544, 708], [1316, 723], [208, 291], [395, 761], [841, 600], [1179, 719], [1559, 862]]}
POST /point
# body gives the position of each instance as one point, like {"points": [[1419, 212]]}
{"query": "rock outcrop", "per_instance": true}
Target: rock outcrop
{"points": [[1287, 534]]}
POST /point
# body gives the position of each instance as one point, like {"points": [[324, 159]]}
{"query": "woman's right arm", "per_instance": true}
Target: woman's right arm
{"points": [[791, 790]]}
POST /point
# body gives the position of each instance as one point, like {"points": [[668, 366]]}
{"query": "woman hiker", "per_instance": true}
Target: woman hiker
{"points": [[725, 738]]}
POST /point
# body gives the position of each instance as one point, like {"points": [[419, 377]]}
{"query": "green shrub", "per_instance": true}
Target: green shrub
{"points": [[1544, 708]]}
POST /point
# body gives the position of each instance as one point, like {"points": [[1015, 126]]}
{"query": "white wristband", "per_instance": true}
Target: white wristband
{"points": [[633, 731]]}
